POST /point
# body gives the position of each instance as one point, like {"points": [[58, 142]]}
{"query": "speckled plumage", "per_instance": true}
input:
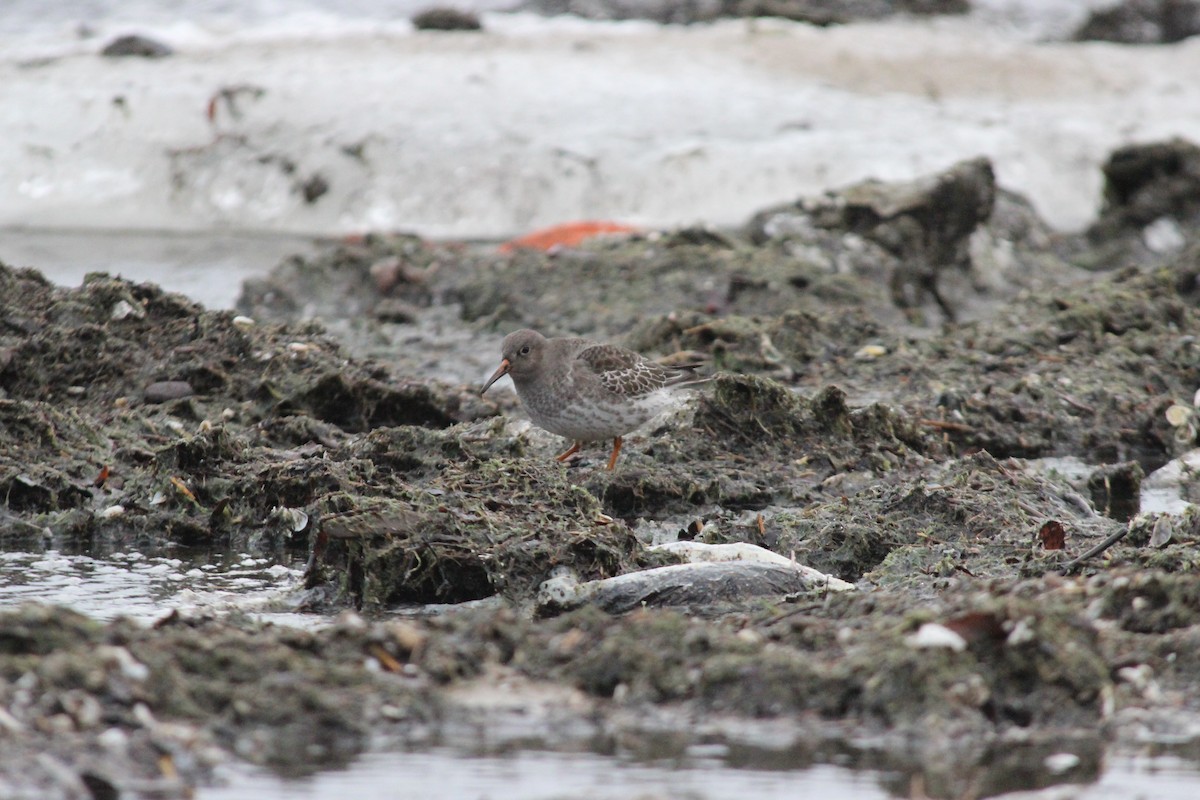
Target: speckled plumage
{"points": [[584, 390]]}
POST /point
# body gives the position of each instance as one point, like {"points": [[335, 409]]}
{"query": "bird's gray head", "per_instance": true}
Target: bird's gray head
{"points": [[522, 354]]}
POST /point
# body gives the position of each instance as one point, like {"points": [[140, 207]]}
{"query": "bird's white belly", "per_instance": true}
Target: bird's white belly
{"points": [[586, 422]]}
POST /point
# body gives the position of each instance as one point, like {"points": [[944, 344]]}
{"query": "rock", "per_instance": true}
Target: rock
{"points": [[396, 311], [313, 188], [442, 537], [721, 573], [446, 19], [136, 45], [816, 12], [699, 553], [1116, 489], [840, 12], [1142, 22], [924, 225], [662, 11], [162, 391], [1151, 205], [700, 584], [396, 265], [1143, 182]]}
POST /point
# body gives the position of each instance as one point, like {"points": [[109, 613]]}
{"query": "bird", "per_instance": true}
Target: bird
{"points": [[585, 390]]}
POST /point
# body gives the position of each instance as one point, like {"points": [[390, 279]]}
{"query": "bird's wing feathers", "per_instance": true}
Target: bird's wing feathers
{"points": [[626, 373]]}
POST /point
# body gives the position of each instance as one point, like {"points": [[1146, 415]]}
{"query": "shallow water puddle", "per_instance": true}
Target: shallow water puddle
{"points": [[144, 587], [1166, 777], [532, 774], [525, 775]]}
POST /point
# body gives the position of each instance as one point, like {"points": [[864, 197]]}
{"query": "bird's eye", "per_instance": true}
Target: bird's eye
{"points": [[525, 350]]}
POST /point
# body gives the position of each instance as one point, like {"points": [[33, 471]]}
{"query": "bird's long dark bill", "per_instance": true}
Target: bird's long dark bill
{"points": [[500, 372]]}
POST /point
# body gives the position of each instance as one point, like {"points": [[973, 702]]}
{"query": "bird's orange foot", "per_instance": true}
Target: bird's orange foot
{"points": [[612, 461], [572, 450]]}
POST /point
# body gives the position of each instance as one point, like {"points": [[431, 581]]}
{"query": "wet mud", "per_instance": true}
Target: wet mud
{"points": [[918, 388]]}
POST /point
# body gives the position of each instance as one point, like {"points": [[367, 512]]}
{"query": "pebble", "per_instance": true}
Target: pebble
{"points": [[162, 391], [1059, 763], [870, 352], [111, 512], [446, 19], [931, 635], [134, 45]]}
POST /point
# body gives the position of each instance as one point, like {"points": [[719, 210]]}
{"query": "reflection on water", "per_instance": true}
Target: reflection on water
{"points": [[447, 774], [1160, 777], [141, 587], [525, 775]]}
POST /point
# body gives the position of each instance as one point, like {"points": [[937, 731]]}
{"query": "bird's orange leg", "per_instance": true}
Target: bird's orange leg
{"points": [[612, 461], [570, 452]]}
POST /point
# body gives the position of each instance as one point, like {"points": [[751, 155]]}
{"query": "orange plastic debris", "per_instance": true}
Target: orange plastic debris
{"points": [[182, 488], [568, 234]]}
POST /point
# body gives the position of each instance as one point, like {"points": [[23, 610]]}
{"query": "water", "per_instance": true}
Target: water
{"points": [[529, 774], [1165, 491], [1133, 776], [534, 775], [208, 267], [146, 588]]}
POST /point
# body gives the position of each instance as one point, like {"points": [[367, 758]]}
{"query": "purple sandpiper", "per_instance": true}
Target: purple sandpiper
{"points": [[587, 391]]}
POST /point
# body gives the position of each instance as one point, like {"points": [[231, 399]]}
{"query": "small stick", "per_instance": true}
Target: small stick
{"points": [[1100, 548], [947, 426], [1071, 401]]}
